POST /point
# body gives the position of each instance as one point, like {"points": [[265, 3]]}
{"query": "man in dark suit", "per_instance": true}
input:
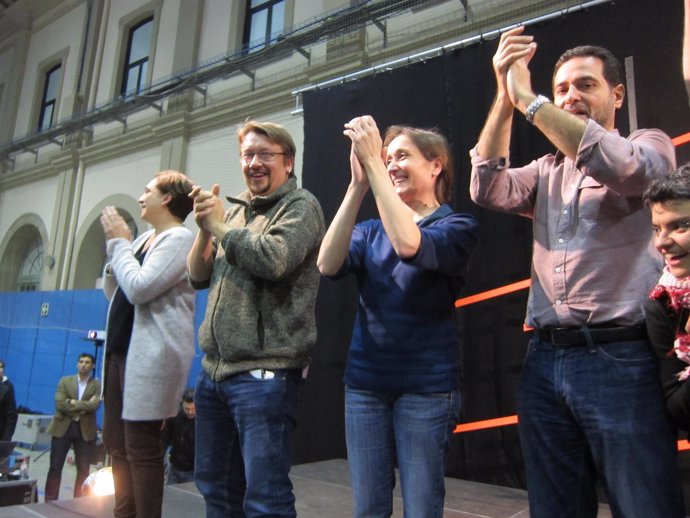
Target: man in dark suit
{"points": [[73, 425], [8, 406]]}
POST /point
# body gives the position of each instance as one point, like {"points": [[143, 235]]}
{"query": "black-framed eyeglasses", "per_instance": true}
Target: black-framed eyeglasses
{"points": [[263, 156]]}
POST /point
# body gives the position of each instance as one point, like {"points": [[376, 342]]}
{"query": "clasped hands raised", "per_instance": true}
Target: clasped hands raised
{"points": [[366, 152], [510, 63]]}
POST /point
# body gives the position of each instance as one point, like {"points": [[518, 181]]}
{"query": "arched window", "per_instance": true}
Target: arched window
{"points": [[136, 63], [90, 258], [29, 278]]}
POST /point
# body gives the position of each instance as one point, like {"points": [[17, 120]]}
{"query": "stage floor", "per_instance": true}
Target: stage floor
{"points": [[321, 489]]}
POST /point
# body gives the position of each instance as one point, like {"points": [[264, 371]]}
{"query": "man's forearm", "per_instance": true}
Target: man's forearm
{"points": [[494, 140], [563, 129]]}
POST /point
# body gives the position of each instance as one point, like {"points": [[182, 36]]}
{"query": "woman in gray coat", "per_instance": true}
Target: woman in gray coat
{"points": [[150, 339]]}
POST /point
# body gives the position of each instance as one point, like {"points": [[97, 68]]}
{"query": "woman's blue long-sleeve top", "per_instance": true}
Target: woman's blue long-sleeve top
{"points": [[405, 336]]}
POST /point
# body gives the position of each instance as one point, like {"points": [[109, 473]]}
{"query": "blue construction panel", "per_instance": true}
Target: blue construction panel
{"points": [[199, 313], [6, 311], [22, 339], [38, 350], [88, 312], [46, 372], [200, 308], [49, 357], [22, 342], [21, 345], [51, 338], [58, 309], [27, 308]]}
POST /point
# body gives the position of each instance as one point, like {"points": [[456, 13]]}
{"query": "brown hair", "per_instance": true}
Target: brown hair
{"points": [[433, 146], [178, 186], [273, 132]]}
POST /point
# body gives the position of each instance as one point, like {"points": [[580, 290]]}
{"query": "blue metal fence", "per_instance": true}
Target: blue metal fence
{"points": [[42, 334]]}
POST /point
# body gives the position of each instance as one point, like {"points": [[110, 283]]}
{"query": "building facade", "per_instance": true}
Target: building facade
{"points": [[98, 95]]}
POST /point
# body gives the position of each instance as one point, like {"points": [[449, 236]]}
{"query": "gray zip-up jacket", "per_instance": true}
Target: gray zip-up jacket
{"points": [[260, 311]]}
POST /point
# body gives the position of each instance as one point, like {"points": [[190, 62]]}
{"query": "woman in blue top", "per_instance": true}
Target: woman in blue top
{"points": [[401, 381]]}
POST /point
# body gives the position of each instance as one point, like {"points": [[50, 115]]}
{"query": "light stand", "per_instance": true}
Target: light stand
{"points": [[98, 339]]}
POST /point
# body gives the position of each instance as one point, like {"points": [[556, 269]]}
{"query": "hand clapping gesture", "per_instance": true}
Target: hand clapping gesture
{"points": [[114, 226]]}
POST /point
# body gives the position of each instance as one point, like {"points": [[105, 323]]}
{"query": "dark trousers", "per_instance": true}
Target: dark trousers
{"points": [[136, 449], [59, 446]]}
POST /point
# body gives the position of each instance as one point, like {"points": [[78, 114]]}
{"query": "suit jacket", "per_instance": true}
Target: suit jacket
{"points": [[8, 410], [83, 410]]}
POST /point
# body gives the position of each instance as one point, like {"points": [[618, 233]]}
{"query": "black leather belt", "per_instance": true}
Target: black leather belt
{"points": [[575, 336]]}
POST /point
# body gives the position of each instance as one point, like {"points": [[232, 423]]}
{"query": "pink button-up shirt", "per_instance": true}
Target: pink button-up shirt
{"points": [[593, 258]]}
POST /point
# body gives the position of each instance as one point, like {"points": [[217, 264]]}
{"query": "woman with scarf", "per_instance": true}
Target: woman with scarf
{"points": [[668, 307]]}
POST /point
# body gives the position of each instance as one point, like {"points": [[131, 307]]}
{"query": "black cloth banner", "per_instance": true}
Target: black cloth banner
{"points": [[453, 93]]}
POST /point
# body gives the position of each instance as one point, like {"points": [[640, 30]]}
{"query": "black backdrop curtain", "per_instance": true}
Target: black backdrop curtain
{"points": [[453, 93]]}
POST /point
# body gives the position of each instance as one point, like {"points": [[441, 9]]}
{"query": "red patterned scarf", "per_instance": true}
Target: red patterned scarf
{"points": [[678, 293]]}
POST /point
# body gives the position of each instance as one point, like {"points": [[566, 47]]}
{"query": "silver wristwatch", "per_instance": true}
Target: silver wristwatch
{"points": [[537, 103]]}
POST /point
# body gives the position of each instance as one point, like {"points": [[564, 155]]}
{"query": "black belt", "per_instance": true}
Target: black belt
{"points": [[575, 336]]}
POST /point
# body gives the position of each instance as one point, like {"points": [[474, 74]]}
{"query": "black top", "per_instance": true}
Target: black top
{"points": [[8, 411], [121, 318], [179, 435], [662, 323]]}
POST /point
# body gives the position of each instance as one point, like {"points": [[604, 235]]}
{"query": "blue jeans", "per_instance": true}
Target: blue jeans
{"points": [[588, 413], [244, 428], [415, 429]]}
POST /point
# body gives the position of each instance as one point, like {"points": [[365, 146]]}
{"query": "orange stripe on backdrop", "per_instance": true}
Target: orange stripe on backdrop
{"points": [[496, 292], [516, 286], [488, 423], [683, 445], [681, 139], [473, 299]]}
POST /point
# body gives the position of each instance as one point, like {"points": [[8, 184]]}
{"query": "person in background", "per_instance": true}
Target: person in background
{"points": [[8, 406], [258, 260], [150, 339], [179, 436], [668, 306], [589, 404], [73, 426], [402, 396]]}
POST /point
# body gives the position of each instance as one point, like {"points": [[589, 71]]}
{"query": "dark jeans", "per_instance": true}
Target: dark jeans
{"points": [[136, 449], [244, 429], [588, 413], [59, 446]]}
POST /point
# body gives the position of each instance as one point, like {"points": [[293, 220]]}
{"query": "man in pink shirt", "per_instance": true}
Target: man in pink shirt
{"points": [[589, 402]]}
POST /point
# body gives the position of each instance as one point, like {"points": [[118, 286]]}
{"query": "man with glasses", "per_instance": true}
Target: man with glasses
{"points": [[259, 260]]}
